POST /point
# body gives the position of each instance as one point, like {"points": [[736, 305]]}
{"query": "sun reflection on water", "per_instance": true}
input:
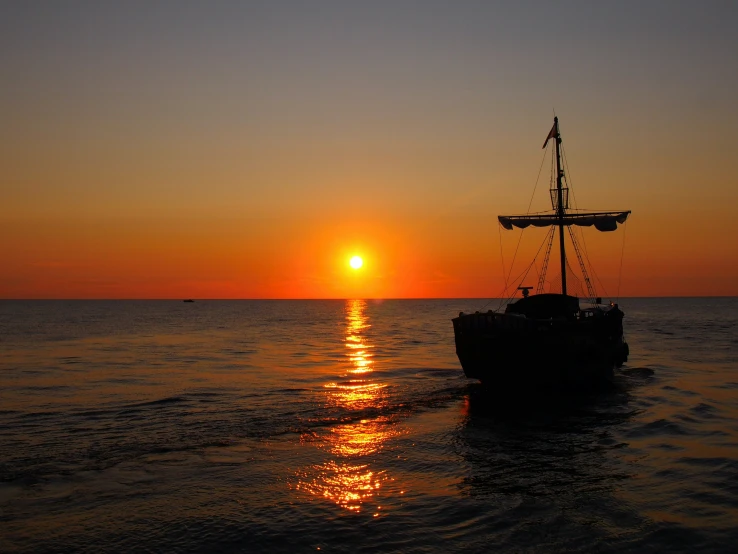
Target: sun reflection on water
{"points": [[348, 478], [359, 349]]}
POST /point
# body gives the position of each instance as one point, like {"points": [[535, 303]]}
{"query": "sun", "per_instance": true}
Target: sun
{"points": [[356, 262]]}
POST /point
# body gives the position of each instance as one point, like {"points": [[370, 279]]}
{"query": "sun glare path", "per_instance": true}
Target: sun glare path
{"points": [[356, 262], [349, 479]]}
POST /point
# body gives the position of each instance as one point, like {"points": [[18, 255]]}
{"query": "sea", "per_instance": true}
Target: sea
{"points": [[348, 426]]}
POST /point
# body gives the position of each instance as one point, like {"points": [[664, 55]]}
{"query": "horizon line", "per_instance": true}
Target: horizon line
{"points": [[173, 299]]}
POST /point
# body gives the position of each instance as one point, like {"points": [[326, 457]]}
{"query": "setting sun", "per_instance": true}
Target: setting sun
{"points": [[356, 262]]}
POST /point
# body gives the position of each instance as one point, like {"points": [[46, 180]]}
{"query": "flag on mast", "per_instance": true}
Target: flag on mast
{"points": [[551, 134]]}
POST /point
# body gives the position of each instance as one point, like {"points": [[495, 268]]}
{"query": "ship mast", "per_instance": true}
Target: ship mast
{"points": [[559, 217], [560, 207]]}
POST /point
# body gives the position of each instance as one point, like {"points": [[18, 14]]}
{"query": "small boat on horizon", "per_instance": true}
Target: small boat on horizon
{"points": [[547, 340], [188, 300]]}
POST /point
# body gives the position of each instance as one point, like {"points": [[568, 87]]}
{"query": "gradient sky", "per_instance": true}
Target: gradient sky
{"points": [[249, 149]]}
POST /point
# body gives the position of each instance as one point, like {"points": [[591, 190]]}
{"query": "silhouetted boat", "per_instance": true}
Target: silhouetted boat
{"points": [[188, 300], [546, 340]]}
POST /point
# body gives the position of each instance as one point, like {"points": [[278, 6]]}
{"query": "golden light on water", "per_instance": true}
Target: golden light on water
{"points": [[356, 393], [348, 485], [359, 349], [360, 439], [348, 478]]}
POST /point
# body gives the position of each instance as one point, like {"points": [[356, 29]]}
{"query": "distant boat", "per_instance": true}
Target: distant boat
{"points": [[188, 300], [546, 340]]}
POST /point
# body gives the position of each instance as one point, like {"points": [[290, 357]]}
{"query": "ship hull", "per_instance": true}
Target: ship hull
{"points": [[511, 352]]}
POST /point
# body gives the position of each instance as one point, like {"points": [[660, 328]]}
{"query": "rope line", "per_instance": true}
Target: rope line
{"points": [[524, 274], [520, 238], [622, 255], [536, 186], [502, 297], [502, 255]]}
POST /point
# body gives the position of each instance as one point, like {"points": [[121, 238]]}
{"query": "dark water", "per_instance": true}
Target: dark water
{"points": [[252, 426]]}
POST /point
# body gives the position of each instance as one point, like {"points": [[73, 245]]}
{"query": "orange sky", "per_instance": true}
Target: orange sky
{"points": [[248, 152]]}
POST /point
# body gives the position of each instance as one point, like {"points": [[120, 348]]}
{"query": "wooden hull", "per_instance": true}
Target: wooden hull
{"points": [[508, 351]]}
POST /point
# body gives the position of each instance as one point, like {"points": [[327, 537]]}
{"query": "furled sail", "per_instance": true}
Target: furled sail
{"points": [[602, 221]]}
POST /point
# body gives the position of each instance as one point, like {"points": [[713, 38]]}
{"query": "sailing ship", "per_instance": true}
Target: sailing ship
{"points": [[546, 339]]}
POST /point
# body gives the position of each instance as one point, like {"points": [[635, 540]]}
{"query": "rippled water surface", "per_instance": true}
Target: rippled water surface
{"points": [[347, 426]]}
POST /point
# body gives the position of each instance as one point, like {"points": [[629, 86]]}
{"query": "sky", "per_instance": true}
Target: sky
{"points": [[249, 149]]}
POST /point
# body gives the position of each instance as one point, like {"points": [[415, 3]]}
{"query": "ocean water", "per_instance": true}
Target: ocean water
{"points": [[348, 426]]}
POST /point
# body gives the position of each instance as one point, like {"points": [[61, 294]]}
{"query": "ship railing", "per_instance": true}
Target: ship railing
{"points": [[481, 321]]}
